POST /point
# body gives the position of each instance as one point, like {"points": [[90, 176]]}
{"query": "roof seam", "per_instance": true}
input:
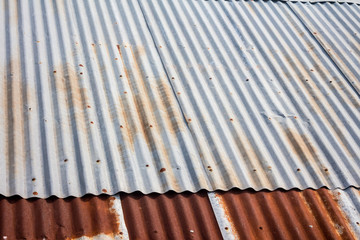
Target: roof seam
{"points": [[323, 49], [174, 92]]}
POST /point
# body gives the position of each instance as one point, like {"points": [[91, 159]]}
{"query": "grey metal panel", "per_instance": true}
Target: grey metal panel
{"points": [[336, 26], [85, 104], [95, 98], [265, 104]]}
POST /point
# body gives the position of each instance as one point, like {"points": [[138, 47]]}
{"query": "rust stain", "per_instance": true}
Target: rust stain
{"points": [[301, 146], [317, 101], [56, 218], [67, 80], [139, 50], [144, 102], [151, 98], [13, 105]]}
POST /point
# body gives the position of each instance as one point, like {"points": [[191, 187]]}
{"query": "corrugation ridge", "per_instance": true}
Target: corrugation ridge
{"points": [[170, 215]]}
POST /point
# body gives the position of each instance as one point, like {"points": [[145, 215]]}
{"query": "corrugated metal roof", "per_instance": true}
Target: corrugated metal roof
{"points": [[175, 95], [235, 214]]}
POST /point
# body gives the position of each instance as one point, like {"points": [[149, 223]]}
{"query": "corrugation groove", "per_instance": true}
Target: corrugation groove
{"points": [[294, 214], [169, 216], [259, 94], [56, 218]]}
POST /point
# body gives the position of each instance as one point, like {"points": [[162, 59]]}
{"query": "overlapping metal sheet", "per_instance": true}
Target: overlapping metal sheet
{"points": [[101, 97], [266, 105], [336, 27], [235, 214], [294, 214]]}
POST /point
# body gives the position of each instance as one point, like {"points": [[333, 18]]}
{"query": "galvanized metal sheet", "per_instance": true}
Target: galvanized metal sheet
{"points": [[266, 105], [178, 95], [85, 104], [336, 26]]}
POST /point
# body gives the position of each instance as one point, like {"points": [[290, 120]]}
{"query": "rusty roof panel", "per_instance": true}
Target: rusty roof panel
{"points": [[336, 26], [266, 105], [174, 95], [54, 218], [294, 214], [235, 214], [169, 216]]}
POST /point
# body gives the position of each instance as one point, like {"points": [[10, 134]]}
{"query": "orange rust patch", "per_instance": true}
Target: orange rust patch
{"points": [[55, 218], [301, 146], [170, 216], [142, 103]]}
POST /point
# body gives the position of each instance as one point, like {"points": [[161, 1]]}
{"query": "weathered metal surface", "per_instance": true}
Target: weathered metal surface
{"points": [[88, 217], [169, 216], [336, 26], [235, 214], [266, 105], [349, 202], [151, 96], [87, 109], [294, 214]]}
